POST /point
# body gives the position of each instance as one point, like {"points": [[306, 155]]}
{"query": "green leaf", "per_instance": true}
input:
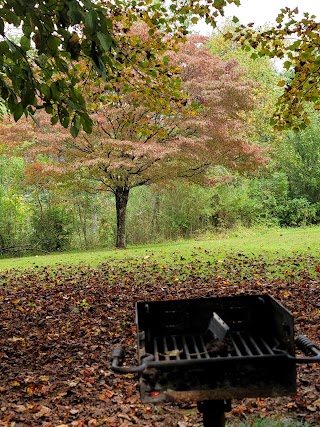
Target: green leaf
{"points": [[12, 101], [45, 90], [281, 83], [87, 3], [18, 111], [27, 96], [25, 43], [54, 120], [166, 60], [53, 43], [11, 45], [75, 126], [90, 20], [4, 90], [10, 17], [86, 122], [4, 48], [287, 65], [75, 13], [219, 4], [55, 93], [1, 26], [105, 40], [78, 97], [26, 29], [48, 109], [64, 119], [61, 64], [153, 73], [295, 45]]}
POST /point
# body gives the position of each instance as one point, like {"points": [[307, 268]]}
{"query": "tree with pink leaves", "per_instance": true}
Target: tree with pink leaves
{"points": [[193, 123]]}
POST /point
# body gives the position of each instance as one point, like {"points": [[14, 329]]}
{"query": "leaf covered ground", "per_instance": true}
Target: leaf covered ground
{"points": [[59, 326]]}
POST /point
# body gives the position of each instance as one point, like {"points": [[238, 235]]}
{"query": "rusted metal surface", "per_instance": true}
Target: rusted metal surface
{"points": [[192, 364]]}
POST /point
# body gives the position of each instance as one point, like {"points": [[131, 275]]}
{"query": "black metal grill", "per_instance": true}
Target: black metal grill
{"points": [[215, 350]]}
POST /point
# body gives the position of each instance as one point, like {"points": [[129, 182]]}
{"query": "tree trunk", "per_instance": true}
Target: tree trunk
{"points": [[121, 195]]}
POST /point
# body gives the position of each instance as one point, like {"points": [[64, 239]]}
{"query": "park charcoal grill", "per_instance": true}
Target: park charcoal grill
{"points": [[212, 350]]}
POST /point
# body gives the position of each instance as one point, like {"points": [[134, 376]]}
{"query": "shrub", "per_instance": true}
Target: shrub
{"points": [[15, 227], [157, 214], [52, 229], [296, 212]]}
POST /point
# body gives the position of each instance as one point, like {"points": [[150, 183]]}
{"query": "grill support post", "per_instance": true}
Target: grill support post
{"points": [[214, 412]]}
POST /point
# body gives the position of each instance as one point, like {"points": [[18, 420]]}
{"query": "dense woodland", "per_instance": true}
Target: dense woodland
{"points": [[201, 163]]}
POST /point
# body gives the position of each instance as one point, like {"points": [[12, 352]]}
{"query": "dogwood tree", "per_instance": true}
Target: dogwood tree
{"points": [[194, 124]]}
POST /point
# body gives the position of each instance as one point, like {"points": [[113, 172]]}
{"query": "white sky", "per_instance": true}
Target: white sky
{"points": [[264, 11]]}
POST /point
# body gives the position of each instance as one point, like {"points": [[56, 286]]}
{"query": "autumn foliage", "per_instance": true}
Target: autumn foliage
{"points": [[191, 121]]}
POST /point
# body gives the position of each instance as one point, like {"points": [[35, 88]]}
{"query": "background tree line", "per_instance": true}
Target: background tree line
{"points": [[36, 216], [32, 221]]}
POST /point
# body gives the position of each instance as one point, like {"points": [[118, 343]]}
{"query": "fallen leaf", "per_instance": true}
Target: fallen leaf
{"points": [[43, 411]]}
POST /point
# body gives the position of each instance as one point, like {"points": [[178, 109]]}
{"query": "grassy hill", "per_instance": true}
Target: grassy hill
{"points": [[267, 242]]}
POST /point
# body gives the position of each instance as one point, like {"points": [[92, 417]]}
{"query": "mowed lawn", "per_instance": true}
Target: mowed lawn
{"points": [[268, 242]]}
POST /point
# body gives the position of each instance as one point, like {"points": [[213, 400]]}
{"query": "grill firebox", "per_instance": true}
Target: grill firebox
{"points": [[190, 363], [212, 350]]}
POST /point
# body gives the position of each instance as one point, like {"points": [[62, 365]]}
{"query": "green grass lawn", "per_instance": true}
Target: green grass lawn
{"points": [[268, 242]]}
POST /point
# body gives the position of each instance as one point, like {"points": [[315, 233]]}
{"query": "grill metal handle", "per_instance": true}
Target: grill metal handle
{"points": [[117, 357], [309, 348]]}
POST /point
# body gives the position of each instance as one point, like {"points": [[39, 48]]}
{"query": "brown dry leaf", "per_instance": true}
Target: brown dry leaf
{"points": [[239, 410], [31, 389], [291, 405], [43, 411], [109, 393], [312, 408], [16, 339], [123, 416], [77, 423], [15, 383], [20, 408], [315, 406]]}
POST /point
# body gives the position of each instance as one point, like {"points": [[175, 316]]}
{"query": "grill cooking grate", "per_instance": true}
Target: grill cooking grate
{"points": [[194, 347]]}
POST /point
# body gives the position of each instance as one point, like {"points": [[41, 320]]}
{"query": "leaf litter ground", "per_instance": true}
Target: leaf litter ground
{"points": [[59, 326]]}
